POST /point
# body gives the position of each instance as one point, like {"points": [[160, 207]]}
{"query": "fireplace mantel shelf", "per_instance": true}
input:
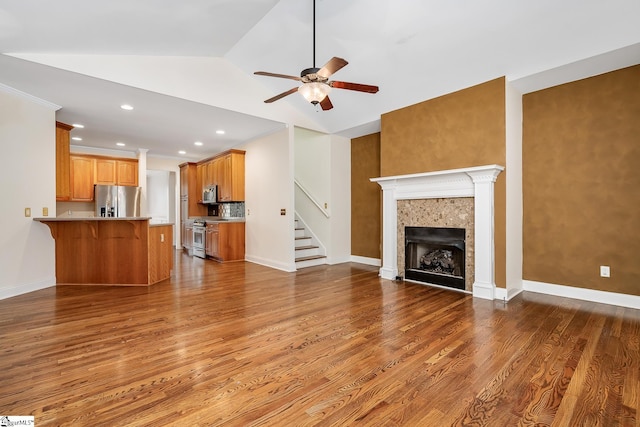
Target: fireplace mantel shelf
{"points": [[476, 182]]}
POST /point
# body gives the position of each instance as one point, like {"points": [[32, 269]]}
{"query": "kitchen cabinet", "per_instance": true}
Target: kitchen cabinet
{"points": [[109, 171], [127, 172], [112, 251], [189, 190], [231, 177], [211, 177], [225, 241], [227, 172], [63, 162], [201, 178], [81, 178], [105, 171], [211, 243], [187, 236], [86, 171], [189, 206]]}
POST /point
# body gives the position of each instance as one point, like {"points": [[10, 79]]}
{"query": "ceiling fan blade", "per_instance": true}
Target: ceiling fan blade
{"points": [[354, 86], [326, 103], [282, 76], [332, 66], [282, 95]]}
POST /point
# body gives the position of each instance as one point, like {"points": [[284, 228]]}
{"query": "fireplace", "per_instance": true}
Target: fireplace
{"points": [[435, 255], [476, 182]]}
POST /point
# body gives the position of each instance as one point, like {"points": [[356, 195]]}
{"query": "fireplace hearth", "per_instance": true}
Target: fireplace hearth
{"points": [[435, 255]]}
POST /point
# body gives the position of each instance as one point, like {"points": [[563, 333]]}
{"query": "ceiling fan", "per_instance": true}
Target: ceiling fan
{"points": [[315, 81]]}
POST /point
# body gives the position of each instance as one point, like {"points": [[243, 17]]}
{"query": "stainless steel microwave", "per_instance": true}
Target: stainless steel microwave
{"points": [[210, 194]]}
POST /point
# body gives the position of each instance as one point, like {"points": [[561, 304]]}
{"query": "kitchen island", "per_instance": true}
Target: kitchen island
{"points": [[111, 251]]}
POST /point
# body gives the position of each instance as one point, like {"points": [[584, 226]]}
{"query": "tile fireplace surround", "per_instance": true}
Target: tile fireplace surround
{"points": [[476, 182]]}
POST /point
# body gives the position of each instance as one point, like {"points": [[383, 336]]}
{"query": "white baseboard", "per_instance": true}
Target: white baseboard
{"points": [[612, 298], [368, 261], [26, 288], [271, 263], [503, 294]]}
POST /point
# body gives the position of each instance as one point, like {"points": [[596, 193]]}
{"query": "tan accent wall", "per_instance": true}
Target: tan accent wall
{"points": [[461, 129], [581, 183], [366, 197]]}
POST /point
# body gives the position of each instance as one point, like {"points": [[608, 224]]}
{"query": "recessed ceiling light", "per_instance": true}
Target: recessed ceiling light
{"points": [[198, 143], [182, 152], [78, 125], [76, 138], [126, 107], [120, 144], [220, 132]]}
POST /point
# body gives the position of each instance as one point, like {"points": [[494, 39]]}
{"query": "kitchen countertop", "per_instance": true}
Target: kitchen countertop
{"points": [[216, 219], [90, 218]]}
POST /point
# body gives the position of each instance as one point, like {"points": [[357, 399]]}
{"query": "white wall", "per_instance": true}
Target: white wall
{"points": [[268, 189], [28, 178], [323, 169], [513, 104], [340, 249]]}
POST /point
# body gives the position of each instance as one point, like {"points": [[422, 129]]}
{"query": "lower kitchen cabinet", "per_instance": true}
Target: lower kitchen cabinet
{"points": [[225, 241]]}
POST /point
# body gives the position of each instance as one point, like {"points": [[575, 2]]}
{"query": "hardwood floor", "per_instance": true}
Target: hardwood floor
{"points": [[243, 345]]}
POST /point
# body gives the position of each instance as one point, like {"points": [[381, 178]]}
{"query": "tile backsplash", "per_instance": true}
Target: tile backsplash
{"points": [[231, 210]]}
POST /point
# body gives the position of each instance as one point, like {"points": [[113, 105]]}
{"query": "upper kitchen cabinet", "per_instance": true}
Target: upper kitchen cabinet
{"points": [[87, 171], [227, 172], [82, 178], [109, 171], [127, 172], [105, 172], [63, 162], [191, 191]]}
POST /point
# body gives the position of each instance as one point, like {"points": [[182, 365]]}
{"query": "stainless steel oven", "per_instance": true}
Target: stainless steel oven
{"points": [[199, 238]]}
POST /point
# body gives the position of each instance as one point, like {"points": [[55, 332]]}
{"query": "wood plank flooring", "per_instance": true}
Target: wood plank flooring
{"points": [[240, 344]]}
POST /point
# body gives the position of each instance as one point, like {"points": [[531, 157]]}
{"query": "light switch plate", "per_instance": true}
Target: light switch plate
{"points": [[27, 212], [605, 271]]}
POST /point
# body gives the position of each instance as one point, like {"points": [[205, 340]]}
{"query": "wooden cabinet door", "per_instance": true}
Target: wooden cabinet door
{"points": [[224, 178], [81, 175], [184, 180], [105, 172], [63, 162], [212, 179], [127, 171], [212, 243], [231, 241], [201, 178], [236, 177]]}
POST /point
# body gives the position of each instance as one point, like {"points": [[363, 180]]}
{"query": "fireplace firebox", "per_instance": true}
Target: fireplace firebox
{"points": [[435, 255]]}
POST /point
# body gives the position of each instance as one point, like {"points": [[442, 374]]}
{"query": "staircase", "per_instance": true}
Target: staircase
{"points": [[308, 253]]}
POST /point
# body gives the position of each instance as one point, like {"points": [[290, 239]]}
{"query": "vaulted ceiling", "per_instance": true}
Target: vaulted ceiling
{"points": [[187, 67]]}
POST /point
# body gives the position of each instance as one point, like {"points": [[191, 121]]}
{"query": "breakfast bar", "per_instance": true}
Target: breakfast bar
{"points": [[126, 251]]}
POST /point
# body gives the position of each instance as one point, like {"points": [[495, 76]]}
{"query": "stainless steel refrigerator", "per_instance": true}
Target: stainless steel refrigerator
{"points": [[117, 200]]}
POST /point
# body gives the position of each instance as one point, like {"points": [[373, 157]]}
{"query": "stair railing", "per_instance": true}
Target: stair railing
{"points": [[310, 197]]}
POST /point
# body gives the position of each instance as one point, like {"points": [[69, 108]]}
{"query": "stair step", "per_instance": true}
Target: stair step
{"points": [[308, 258], [301, 248]]}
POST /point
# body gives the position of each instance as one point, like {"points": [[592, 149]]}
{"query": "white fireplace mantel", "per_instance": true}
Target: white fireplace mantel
{"points": [[476, 182]]}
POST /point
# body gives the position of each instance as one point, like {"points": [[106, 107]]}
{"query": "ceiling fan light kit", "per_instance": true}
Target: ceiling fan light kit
{"points": [[315, 81], [314, 92]]}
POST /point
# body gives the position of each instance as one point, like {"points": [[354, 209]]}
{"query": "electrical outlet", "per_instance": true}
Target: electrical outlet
{"points": [[45, 211], [27, 212], [161, 237], [283, 211], [326, 205], [605, 271]]}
